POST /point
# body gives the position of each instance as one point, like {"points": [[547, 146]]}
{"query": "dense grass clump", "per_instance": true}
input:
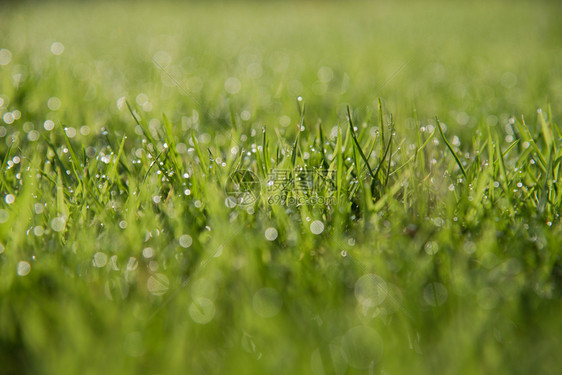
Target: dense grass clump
{"points": [[336, 189]]}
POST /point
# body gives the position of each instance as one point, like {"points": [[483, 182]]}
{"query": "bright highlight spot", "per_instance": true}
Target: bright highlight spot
{"points": [[202, 310], [185, 241], [157, 284], [370, 290], [23, 268], [317, 227], [57, 48], [271, 234]]}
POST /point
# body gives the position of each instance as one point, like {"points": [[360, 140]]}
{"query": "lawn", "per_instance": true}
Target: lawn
{"points": [[280, 187]]}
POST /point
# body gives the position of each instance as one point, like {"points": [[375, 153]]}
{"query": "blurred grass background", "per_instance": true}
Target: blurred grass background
{"points": [[465, 61], [97, 301]]}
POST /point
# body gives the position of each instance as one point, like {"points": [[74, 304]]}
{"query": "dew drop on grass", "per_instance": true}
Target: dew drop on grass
{"points": [[58, 224], [230, 202], [148, 252], [113, 263], [57, 48], [100, 259], [8, 118], [232, 85], [33, 135], [49, 125], [23, 268], [5, 56], [202, 310], [157, 284], [370, 290], [153, 266], [132, 264], [317, 227], [10, 198], [271, 234], [431, 248], [3, 216], [185, 241], [70, 132], [343, 253], [54, 103]]}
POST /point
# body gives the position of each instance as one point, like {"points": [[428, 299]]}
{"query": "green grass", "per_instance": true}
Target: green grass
{"points": [[432, 130]]}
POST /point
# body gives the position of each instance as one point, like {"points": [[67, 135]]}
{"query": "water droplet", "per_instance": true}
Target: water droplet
{"points": [[54, 103], [370, 290], [38, 231], [317, 227], [232, 85], [3, 216], [271, 234], [157, 284], [23, 268], [132, 264], [10, 198], [100, 259], [148, 252], [185, 241], [49, 125], [202, 310], [431, 248], [5, 56], [58, 224], [57, 48]]}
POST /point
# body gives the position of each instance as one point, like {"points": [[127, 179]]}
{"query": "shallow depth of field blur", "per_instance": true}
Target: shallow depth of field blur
{"points": [[436, 247]]}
